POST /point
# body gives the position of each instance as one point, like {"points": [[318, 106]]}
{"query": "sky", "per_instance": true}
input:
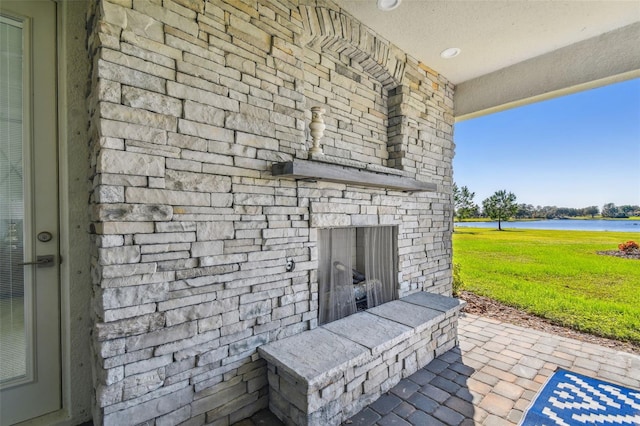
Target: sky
{"points": [[575, 151]]}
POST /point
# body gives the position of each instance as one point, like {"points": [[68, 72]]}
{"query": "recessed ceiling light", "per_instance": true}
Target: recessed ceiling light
{"points": [[449, 53], [387, 5]]}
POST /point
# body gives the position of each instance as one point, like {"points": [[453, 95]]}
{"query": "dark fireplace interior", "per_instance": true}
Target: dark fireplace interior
{"points": [[357, 269]]}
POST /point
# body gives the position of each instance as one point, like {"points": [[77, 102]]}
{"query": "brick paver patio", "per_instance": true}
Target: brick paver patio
{"points": [[490, 379]]}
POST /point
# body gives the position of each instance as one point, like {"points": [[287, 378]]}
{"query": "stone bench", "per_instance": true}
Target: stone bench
{"points": [[325, 375]]}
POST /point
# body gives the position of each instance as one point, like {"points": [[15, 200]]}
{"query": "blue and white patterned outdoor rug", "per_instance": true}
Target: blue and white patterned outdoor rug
{"points": [[569, 399]]}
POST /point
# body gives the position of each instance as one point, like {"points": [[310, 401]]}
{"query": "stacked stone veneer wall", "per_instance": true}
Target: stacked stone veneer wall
{"points": [[191, 102]]}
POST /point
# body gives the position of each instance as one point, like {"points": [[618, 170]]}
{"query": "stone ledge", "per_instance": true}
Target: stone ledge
{"points": [[312, 170], [325, 375]]}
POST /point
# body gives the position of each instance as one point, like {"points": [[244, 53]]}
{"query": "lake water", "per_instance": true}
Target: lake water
{"points": [[561, 225]]}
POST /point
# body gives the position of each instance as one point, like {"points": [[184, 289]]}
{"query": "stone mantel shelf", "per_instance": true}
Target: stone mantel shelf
{"points": [[312, 170]]}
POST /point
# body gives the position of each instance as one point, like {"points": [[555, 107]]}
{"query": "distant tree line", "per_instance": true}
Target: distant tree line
{"points": [[502, 206], [611, 210]]}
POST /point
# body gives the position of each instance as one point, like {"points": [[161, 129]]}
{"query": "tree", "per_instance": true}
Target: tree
{"points": [[500, 206], [524, 211], [609, 210], [591, 210], [463, 202], [627, 210], [564, 212]]}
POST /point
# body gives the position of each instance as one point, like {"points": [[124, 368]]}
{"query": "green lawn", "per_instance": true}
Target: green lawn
{"points": [[556, 275]]}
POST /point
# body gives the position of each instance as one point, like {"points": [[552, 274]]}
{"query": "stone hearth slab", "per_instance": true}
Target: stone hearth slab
{"points": [[409, 314], [434, 301], [374, 332], [314, 355]]}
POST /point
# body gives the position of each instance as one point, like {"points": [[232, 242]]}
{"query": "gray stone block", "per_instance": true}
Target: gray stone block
{"points": [[134, 115], [128, 76], [190, 347], [206, 248], [205, 131], [152, 101], [165, 238], [212, 356], [314, 357], [160, 337], [147, 365], [175, 417], [374, 332], [132, 212], [136, 295], [128, 270], [108, 194], [111, 161], [434, 301], [219, 395], [198, 182], [150, 409], [164, 196], [203, 113], [411, 315], [182, 91], [128, 312], [166, 16], [128, 327], [117, 255]]}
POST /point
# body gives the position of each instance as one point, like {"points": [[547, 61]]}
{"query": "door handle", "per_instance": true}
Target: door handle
{"points": [[45, 261]]}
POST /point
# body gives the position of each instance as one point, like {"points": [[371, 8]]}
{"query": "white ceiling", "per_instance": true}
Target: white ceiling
{"points": [[491, 34], [495, 34]]}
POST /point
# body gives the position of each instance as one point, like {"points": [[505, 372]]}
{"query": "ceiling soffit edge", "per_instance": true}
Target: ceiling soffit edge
{"points": [[595, 62]]}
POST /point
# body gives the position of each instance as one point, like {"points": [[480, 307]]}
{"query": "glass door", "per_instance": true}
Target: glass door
{"points": [[29, 273], [13, 334]]}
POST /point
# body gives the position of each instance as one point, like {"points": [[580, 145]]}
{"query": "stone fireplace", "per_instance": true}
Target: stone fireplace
{"points": [[205, 194]]}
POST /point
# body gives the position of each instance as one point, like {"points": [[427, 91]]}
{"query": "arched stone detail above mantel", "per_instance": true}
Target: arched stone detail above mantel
{"points": [[340, 33], [337, 33]]}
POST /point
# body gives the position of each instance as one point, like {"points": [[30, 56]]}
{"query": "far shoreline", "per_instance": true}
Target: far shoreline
{"points": [[540, 219]]}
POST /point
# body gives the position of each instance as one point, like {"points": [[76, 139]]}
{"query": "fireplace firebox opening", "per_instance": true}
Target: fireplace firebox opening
{"points": [[357, 269]]}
